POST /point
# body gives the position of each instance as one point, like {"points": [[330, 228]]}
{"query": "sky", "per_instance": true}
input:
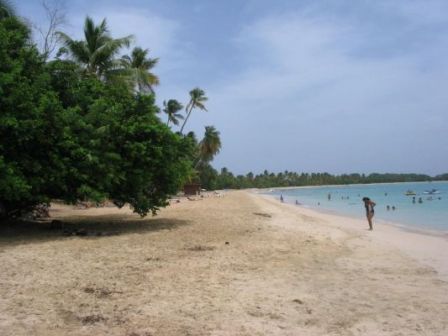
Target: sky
{"points": [[309, 86]]}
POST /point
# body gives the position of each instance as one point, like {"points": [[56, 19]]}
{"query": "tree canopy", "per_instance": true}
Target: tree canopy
{"points": [[210, 145], [72, 136], [138, 69], [97, 52], [172, 108], [197, 100]]}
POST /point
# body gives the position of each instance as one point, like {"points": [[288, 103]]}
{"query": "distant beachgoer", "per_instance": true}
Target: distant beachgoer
{"points": [[388, 208], [318, 203], [420, 200], [369, 205], [385, 194], [329, 196], [281, 198], [413, 199], [393, 207]]}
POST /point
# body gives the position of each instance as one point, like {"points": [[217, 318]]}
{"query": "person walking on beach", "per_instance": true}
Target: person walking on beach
{"points": [[369, 204]]}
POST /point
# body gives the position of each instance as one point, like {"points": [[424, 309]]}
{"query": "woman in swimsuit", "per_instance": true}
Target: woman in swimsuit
{"points": [[370, 211]]}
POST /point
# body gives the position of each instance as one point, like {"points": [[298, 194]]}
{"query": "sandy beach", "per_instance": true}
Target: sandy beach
{"points": [[242, 264]]}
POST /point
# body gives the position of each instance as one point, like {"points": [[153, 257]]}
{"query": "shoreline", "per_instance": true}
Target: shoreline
{"points": [[428, 248], [400, 225], [406, 224]]}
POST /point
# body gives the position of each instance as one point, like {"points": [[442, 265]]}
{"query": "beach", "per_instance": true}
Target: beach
{"points": [[426, 209], [241, 264]]}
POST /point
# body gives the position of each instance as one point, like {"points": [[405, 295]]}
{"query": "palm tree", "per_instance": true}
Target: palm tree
{"points": [[209, 146], [197, 99], [137, 67], [171, 108], [6, 9], [97, 52]]}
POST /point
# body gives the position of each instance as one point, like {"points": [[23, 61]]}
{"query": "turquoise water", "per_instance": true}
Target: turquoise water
{"points": [[431, 214]]}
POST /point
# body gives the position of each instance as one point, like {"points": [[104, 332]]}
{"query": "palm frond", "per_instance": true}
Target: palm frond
{"points": [[98, 51], [139, 66], [201, 106]]}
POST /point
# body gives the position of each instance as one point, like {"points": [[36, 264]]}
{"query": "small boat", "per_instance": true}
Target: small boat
{"points": [[431, 192], [410, 193]]}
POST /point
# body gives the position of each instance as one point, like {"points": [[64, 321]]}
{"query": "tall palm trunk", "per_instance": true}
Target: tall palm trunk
{"points": [[186, 119], [198, 162]]}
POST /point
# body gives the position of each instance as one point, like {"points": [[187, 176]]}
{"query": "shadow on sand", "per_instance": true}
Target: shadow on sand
{"points": [[91, 227]]}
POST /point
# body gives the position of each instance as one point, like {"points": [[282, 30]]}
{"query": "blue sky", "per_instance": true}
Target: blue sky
{"points": [[335, 86]]}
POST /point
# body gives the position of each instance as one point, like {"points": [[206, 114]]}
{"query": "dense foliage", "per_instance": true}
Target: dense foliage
{"points": [[67, 134], [211, 179], [442, 177]]}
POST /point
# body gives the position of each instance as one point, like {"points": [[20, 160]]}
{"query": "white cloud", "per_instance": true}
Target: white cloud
{"points": [[157, 33], [151, 31], [306, 85]]}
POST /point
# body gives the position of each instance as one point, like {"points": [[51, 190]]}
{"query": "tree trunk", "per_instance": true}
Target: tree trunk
{"points": [[188, 115]]}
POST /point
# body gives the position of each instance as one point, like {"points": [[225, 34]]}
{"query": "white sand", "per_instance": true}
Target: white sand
{"points": [[285, 271], [429, 249]]}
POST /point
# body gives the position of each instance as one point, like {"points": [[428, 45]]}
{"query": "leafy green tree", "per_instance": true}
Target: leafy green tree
{"points": [[97, 52], [137, 68], [71, 136], [197, 100], [171, 108], [119, 149], [28, 110]]}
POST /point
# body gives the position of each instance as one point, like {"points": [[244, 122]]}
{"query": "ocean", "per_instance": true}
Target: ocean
{"points": [[429, 212]]}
